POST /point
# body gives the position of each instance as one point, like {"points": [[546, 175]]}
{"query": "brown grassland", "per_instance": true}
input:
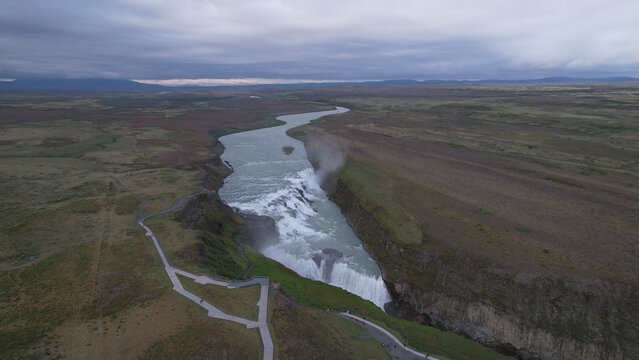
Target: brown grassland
{"points": [[505, 172], [519, 199], [77, 277], [523, 199]]}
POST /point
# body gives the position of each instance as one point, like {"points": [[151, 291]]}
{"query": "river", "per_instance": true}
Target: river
{"points": [[314, 238]]}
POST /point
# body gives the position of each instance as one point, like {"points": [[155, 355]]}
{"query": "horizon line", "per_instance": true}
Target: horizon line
{"points": [[248, 81], [253, 81]]}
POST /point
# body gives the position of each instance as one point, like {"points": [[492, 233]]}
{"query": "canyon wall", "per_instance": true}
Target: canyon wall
{"points": [[522, 313]]}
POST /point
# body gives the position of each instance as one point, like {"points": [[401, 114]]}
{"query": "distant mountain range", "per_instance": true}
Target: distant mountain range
{"points": [[547, 80], [77, 85], [561, 79], [128, 85]]}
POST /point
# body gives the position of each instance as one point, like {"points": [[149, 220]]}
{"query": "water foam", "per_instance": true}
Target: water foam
{"points": [[311, 228], [343, 276]]}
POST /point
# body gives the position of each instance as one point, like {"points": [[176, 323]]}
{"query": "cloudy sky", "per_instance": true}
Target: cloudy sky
{"points": [[327, 39]]}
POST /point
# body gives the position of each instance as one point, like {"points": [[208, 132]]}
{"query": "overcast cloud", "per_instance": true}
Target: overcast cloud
{"points": [[328, 39]]}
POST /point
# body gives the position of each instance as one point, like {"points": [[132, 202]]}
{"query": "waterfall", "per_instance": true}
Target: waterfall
{"points": [[314, 238]]}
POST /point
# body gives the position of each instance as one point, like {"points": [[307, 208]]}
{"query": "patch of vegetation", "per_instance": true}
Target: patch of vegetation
{"points": [[127, 282], [66, 260], [219, 261], [241, 302], [84, 207], [324, 335], [296, 133], [57, 141], [587, 171], [457, 146], [92, 187], [231, 341], [562, 181], [36, 298], [519, 169], [288, 150], [323, 296], [481, 211], [374, 193], [111, 190], [481, 228], [547, 164], [126, 205], [83, 147], [523, 229]]}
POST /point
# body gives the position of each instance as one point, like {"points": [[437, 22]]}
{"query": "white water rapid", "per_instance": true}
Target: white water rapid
{"points": [[314, 238]]}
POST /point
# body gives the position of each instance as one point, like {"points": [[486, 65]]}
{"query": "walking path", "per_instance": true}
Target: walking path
{"points": [[213, 312], [396, 348]]}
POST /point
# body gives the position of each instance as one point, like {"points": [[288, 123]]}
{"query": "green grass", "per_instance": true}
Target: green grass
{"points": [[36, 298], [292, 325], [241, 302], [547, 164], [76, 150], [519, 169], [217, 258], [587, 171], [562, 181], [70, 252], [323, 296], [523, 229], [84, 207], [126, 205], [223, 257], [207, 339], [481, 211], [371, 186]]}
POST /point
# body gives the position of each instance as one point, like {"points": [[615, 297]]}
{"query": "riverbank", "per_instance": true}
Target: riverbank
{"points": [[314, 238], [212, 310], [316, 294], [430, 205], [96, 288]]}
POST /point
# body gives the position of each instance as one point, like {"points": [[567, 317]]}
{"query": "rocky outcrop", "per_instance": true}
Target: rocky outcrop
{"points": [[522, 313], [194, 213], [215, 170], [259, 231]]}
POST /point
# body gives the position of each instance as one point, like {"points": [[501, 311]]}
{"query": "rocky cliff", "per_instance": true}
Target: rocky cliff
{"points": [[522, 313]]}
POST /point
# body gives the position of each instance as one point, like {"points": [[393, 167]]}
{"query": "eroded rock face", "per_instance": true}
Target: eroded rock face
{"points": [[192, 214], [213, 171], [259, 231], [327, 257], [521, 313]]}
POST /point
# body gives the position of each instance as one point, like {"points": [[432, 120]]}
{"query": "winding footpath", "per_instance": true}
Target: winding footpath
{"points": [[395, 348], [213, 312]]}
